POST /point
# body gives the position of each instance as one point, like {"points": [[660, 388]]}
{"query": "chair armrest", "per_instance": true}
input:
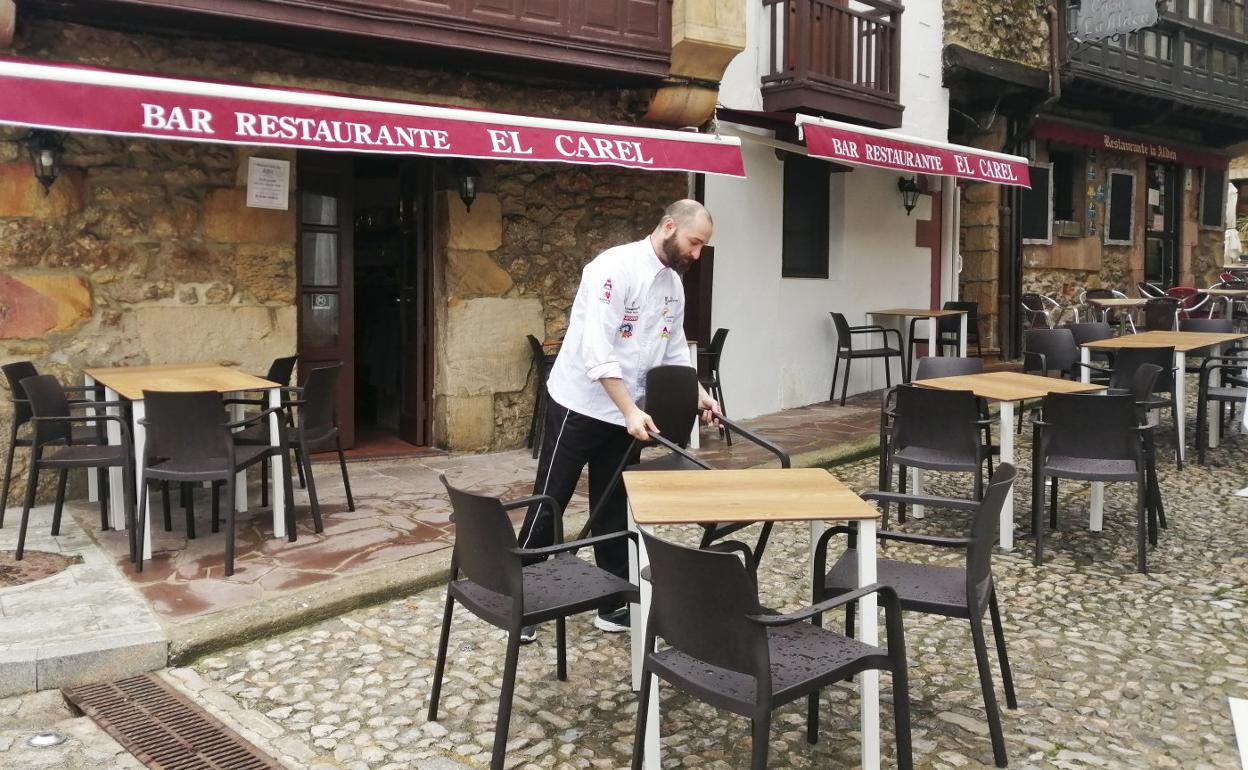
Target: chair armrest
{"points": [[255, 418], [524, 502], [125, 429], [91, 404], [1031, 359], [757, 439], [865, 328], [573, 545], [83, 388], [789, 618], [245, 401], [1093, 367], [933, 540], [678, 450], [954, 503]]}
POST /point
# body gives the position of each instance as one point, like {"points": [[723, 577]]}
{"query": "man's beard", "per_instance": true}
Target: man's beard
{"points": [[672, 256]]}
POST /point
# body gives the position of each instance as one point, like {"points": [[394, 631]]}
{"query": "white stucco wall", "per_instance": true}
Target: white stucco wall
{"points": [[781, 345]]}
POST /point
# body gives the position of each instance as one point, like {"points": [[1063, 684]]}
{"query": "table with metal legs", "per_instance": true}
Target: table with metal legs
{"points": [[933, 318]]}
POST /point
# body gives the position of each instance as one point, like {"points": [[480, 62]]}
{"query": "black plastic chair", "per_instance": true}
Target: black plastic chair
{"points": [[503, 585], [1161, 314], [1050, 350], [1092, 331], [953, 592], [542, 364], [948, 332], [934, 367], [1122, 380], [845, 352], [53, 423], [1088, 437], [725, 649], [672, 402], [708, 373], [1211, 326], [190, 441], [14, 373], [1233, 391]]}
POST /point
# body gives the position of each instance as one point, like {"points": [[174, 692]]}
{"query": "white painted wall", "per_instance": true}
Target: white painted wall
{"points": [[781, 346]]}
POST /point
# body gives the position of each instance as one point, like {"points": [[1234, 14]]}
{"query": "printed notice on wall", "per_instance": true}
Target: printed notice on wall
{"points": [[268, 183]]}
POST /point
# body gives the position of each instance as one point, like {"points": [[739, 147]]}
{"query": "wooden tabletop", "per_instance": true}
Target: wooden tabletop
{"points": [[1009, 386], [768, 494], [1226, 292], [1118, 301], [1182, 342], [916, 312], [131, 381]]}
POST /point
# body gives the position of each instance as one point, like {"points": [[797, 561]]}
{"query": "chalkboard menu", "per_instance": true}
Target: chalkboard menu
{"points": [[1036, 206], [1213, 198], [1120, 208]]}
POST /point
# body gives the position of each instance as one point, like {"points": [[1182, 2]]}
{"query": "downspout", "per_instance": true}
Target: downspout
{"points": [[1055, 76]]}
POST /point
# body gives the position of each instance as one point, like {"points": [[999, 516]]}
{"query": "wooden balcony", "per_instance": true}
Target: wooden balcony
{"points": [[619, 39], [839, 58]]}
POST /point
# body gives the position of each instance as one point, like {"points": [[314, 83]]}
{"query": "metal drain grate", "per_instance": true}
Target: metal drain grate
{"points": [[164, 730]]}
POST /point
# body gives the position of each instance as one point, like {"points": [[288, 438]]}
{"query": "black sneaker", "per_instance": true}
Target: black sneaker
{"points": [[528, 634], [613, 622]]}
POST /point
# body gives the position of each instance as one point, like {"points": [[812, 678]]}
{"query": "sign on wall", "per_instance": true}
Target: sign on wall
{"points": [[268, 183], [1099, 19]]}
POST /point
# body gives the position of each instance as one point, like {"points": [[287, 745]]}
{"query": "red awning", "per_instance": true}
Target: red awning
{"points": [[856, 145], [1133, 144], [99, 101]]}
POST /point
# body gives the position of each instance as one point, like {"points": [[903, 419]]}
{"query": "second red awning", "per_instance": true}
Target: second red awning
{"points": [[857, 145]]}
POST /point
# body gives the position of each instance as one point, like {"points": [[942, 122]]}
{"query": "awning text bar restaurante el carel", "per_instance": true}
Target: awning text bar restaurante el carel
{"points": [[856, 145], [100, 101]]}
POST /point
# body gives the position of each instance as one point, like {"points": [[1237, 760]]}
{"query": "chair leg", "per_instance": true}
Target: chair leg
{"points": [[8, 471], [439, 668], [845, 382], [32, 481], [989, 690], [59, 506], [1141, 549], [719, 397], [103, 491], [346, 480], [314, 502], [138, 525], [190, 519], [216, 507], [1037, 492], [1201, 416], [561, 649], [504, 699], [643, 709], [1053, 504], [229, 523], [901, 714], [836, 368], [303, 483], [760, 726], [264, 484], [888, 371], [164, 499], [1007, 678], [903, 480], [1154, 488], [128, 495]]}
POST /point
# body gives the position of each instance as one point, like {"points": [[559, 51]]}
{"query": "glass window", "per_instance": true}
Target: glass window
{"points": [[320, 320], [1133, 41], [807, 197], [320, 259], [1229, 14], [1150, 43], [319, 209]]}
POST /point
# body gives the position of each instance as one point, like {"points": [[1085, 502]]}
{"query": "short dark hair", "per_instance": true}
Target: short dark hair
{"points": [[684, 211]]}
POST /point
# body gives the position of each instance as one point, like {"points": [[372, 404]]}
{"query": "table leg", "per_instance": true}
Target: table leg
{"points": [[1215, 412], [916, 486], [962, 335], [1006, 526], [93, 478], [1180, 400], [240, 478], [640, 613], [116, 491], [278, 474], [933, 332], [140, 443], [1085, 357], [869, 633], [1096, 507]]}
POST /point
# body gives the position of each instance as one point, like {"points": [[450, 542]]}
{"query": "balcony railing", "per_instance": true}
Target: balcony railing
{"points": [[835, 56]]}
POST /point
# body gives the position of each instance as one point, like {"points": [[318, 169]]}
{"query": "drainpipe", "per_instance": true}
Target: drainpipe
{"points": [[8, 22], [1055, 75]]}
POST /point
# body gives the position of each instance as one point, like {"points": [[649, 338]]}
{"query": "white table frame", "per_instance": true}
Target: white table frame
{"points": [[868, 633], [932, 323], [116, 501]]}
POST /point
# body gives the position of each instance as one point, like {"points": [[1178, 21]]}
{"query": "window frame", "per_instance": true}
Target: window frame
{"points": [[817, 264], [1109, 203], [1048, 217]]}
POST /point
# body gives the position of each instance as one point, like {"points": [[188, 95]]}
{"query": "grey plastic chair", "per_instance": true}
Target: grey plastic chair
{"points": [[1123, 378], [708, 373], [948, 332], [501, 584], [846, 352], [1233, 391], [725, 649], [542, 363], [955, 592], [1161, 314]]}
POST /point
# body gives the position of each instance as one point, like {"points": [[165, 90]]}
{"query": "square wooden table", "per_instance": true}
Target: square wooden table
{"points": [[1004, 388], [1183, 343], [776, 494], [129, 382], [932, 317]]}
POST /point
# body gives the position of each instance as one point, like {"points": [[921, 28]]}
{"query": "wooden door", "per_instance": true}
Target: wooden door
{"points": [[325, 274], [1161, 224], [416, 304]]}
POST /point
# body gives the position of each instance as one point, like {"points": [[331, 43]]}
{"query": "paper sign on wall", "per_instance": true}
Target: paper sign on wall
{"points": [[268, 183]]}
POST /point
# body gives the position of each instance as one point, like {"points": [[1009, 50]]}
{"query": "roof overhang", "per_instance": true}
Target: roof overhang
{"points": [[75, 98]]}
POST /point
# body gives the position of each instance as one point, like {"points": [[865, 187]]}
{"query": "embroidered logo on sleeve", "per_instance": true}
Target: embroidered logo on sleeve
{"points": [[665, 334], [626, 331], [607, 286]]}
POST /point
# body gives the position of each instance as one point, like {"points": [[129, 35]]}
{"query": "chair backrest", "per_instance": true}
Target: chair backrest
{"points": [[1142, 386], [187, 428], [1056, 345], [672, 401], [1128, 360], [281, 370], [46, 398], [1191, 299], [319, 394], [1091, 426], [1147, 289], [932, 367], [1160, 314], [1090, 331], [15, 373], [716, 348], [483, 537], [844, 340], [1035, 316], [1210, 325], [700, 602], [935, 418], [953, 323], [984, 533]]}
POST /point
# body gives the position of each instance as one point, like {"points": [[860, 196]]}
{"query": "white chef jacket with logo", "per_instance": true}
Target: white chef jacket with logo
{"points": [[628, 317]]}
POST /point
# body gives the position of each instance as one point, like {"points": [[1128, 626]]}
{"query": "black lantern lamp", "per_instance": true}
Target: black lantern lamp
{"points": [[909, 189], [468, 176], [45, 149]]}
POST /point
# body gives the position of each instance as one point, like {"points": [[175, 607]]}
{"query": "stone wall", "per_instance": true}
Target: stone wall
{"points": [[979, 239], [1016, 30], [144, 251]]}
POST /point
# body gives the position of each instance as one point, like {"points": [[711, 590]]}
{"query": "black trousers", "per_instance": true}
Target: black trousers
{"points": [[570, 441]]}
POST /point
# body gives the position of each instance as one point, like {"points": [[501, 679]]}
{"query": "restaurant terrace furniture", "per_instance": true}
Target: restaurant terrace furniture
{"points": [[1050, 350], [1161, 314], [672, 402], [723, 648], [1233, 294], [1211, 326], [1196, 304], [845, 352], [52, 446], [500, 583], [14, 373], [1129, 360], [1147, 289], [708, 373], [1108, 305], [1234, 390], [190, 441], [542, 363], [766, 494], [951, 327], [1091, 331], [1038, 311], [966, 592], [931, 368], [1089, 437], [953, 322], [1007, 388]]}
